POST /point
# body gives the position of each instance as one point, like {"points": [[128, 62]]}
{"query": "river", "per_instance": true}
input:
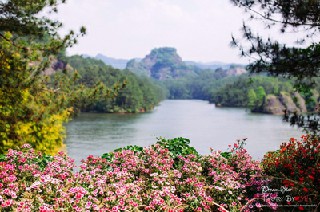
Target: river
{"points": [[204, 124]]}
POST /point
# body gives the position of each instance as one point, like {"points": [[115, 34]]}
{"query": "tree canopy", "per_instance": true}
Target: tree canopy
{"points": [[297, 16], [39, 91], [137, 93], [300, 61], [30, 110]]}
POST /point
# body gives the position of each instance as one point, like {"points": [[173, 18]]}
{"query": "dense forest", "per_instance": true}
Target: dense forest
{"points": [[182, 80], [226, 87], [137, 94], [36, 101], [265, 94], [199, 86]]}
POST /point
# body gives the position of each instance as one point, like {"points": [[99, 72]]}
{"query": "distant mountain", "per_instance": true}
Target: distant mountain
{"points": [[86, 56], [161, 64], [115, 63], [165, 63], [214, 65]]}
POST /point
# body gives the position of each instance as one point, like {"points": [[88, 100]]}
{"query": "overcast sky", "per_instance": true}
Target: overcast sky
{"points": [[199, 29]]}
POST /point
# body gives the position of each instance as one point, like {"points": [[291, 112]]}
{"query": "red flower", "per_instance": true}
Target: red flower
{"points": [[311, 177], [305, 189], [300, 208]]}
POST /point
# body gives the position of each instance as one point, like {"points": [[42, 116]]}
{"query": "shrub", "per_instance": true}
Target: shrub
{"points": [[153, 178], [296, 168], [178, 146], [236, 180]]}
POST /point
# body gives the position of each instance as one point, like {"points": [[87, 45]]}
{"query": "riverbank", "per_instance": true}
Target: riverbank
{"points": [[276, 104]]}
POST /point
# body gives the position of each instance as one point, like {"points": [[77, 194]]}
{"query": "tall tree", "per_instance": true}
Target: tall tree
{"points": [[251, 97], [276, 58], [30, 110], [260, 95], [299, 62]]}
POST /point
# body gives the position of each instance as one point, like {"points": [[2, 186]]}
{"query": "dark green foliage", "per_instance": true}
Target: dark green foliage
{"points": [[19, 16], [252, 97], [135, 94], [198, 86], [250, 92], [43, 161], [178, 146], [311, 98], [110, 155], [290, 60], [309, 123], [166, 57], [261, 95], [2, 157], [274, 57], [134, 148], [24, 20], [226, 155]]}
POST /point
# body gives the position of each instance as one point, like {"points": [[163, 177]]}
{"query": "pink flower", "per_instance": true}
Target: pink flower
{"points": [[7, 203], [88, 205], [115, 208]]}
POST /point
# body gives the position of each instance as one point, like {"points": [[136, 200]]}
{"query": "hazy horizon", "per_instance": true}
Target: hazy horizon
{"points": [[116, 58], [200, 30]]}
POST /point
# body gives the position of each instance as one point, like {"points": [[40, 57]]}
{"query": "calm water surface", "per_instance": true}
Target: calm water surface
{"points": [[205, 125]]}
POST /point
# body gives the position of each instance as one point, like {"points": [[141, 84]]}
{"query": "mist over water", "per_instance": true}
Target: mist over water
{"points": [[204, 124]]}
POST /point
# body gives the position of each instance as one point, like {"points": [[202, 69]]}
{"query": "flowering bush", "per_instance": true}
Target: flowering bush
{"points": [[296, 168], [237, 180], [133, 179]]}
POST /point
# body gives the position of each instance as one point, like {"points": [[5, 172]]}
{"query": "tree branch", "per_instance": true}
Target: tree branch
{"points": [[283, 22]]}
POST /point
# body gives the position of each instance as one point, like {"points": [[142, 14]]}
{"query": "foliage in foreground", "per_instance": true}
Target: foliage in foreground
{"points": [[29, 109], [296, 166], [143, 180], [295, 17], [162, 177]]}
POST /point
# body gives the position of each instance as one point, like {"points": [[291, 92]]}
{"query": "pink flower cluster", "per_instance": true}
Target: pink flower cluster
{"points": [[148, 180]]}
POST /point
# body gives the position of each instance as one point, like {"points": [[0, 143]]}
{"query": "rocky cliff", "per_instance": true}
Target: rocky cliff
{"points": [[165, 63], [56, 64], [278, 104], [161, 63]]}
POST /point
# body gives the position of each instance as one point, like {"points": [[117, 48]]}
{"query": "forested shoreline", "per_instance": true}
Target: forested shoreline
{"points": [[140, 93], [170, 175], [136, 94], [264, 94]]}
